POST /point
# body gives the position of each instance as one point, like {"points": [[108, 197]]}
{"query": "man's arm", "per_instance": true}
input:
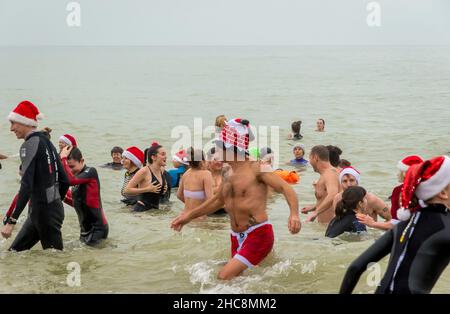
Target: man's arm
{"points": [[380, 207], [376, 252], [280, 186]]}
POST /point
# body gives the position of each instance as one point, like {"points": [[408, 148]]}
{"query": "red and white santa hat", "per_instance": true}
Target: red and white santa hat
{"points": [[25, 113], [181, 157], [135, 155], [352, 171], [424, 180], [236, 133], [408, 161], [68, 139]]}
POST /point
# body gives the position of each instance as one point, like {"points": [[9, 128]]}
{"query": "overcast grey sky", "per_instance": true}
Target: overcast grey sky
{"points": [[224, 22]]}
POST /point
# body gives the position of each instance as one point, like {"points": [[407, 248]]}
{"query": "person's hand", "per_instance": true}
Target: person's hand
{"points": [[311, 217], [294, 224], [178, 223], [65, 152], [307, 209], [152, 188], [7, 230], [365, 219]]}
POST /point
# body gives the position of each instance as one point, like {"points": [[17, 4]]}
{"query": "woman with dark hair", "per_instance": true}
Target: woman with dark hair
{"points": [[196, 185], [295, 127], [353, 201], [320, 125], [150, 183], [335, 155]]}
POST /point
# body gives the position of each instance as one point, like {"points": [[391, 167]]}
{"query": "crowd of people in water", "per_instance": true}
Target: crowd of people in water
{"points": [[235, 180]]}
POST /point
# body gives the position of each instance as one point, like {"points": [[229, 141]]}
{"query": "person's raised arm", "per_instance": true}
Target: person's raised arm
{"points": [[373, 254], [280, 186]]}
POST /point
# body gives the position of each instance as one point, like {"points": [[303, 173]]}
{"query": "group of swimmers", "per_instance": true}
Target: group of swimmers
{"points": [[229, 179]]}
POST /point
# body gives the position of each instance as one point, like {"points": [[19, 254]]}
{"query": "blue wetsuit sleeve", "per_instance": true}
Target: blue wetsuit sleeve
{"points": [[376, 252]]}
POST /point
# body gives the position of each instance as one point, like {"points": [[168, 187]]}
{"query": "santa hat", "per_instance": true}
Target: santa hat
{"points": [[135, 155], [408, 161], [68, 139], [25, 113], [352, 171], [181, 157], [425, 180], [236, 133]]}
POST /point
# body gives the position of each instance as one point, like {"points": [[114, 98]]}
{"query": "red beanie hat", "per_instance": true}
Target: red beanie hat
{"points": [[425, 180], [25, 113], [135, 155], [68, 139]]}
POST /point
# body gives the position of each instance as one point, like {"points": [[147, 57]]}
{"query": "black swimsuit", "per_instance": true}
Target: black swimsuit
{"points": [[151, 200], [419, 253]]}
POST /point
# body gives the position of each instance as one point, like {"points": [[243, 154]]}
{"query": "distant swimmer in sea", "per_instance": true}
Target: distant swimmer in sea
{"points": [[43, 185], [335, 155], [180, 164], [299, 154], [349, 177], [295, 127], [65, 141], [196, 186], [402, 166], [85, 197], [116, 155], [419, 244], [150, 183], [244, 194], [354, 201], [320, 125], [132, 161], [326, 188]]}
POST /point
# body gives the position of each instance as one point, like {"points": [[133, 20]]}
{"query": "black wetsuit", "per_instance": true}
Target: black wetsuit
{"points": [[44, 184], [113, 166], [151, 200], [417, 262], [347, 223], [85, 198]]}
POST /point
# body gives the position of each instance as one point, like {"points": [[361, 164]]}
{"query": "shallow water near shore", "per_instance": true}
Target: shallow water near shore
{"points": [[379, 103]]}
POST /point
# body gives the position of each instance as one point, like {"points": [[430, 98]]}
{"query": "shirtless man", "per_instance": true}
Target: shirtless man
{"points": [[348, 177], [326, 188], [243, 193]]}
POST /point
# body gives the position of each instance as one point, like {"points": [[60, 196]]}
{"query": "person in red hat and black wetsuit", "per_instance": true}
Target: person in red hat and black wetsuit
{"points": [[44, 185], [419, 244]]}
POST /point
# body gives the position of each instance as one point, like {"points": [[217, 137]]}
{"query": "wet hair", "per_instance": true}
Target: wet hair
{"points": [[220, 121], [116, 149], [75, 154], [335, 155], [350, 200], [322, 121], [321, 151], [195, 157], [152, 151], [295, 126], [343, 163]]}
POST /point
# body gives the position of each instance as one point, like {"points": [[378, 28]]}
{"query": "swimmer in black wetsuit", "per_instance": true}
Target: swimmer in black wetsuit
{"points": [[116, 155], [418, 248], [150, 182], [85, 197], [353, 201], [44, 184]]}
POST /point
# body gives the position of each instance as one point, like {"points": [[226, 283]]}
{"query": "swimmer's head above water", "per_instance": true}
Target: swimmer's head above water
{"points": [[75, 160], [353, 199], [156, 154]]}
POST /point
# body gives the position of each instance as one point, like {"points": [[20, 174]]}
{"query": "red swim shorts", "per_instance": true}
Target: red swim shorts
{"points": [[253, 245]]}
